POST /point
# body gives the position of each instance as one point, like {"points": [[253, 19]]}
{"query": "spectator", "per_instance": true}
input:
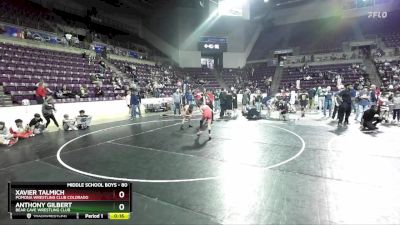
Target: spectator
{"points": [[67, 93], [396, 106], [363, 104], [135, 105], [41, 93], [128, 101], [95, 79], [83, 121], [47, 111], [59, 94], [36, 125], [83, 91], [98, 92], [177, 102], [328, 101], [373, 97], [5, 137], [189, 97], [69, 124]]}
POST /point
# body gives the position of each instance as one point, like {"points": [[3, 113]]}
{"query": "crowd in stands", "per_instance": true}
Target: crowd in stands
{"points": [[392, 40], [259, 77], [326, 75], [389, 72], [355, 54], [23, 68]]}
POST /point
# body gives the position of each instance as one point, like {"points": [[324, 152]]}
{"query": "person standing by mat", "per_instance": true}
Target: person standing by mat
{"points": [[47, 111], [303, 97], [187, 114], [345, 106], [206, 111]]}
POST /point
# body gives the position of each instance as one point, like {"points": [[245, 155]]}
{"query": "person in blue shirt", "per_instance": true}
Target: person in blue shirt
{"points": [[354, 105], [328, 101], [135, 104], [189, 97], [363, 103]]}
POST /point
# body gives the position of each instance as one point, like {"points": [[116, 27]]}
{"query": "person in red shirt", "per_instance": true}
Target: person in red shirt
{"points": [[206, 112], [198, 96], [41, 93], [210, 98]]}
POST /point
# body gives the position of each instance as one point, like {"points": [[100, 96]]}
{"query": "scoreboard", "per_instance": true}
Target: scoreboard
{"points": [[70, 200], [211, 44]]}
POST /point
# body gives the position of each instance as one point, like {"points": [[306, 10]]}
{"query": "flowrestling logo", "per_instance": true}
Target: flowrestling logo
{"points": [[378, 15]]}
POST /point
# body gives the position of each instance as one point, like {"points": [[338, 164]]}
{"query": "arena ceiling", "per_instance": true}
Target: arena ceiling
{"points": [[139, 7], [147, 7]]}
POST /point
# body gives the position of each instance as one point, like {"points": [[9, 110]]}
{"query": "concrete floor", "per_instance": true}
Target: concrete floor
{"points": [[304, 171]]}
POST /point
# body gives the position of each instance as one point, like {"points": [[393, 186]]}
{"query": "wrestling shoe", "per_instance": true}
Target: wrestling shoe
{"points": [[12, 142]]}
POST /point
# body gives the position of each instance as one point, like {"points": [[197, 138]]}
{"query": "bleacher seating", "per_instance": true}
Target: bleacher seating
{"points": [[25, 13], [200, 77], [326, 35], [148, 75], [389, 73], [322, 75], [392, 40], [23, 67], [233, 77], [259, 75]]}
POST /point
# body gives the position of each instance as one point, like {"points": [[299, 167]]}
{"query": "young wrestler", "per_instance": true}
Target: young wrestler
{"points": [[21, 131], [5, 137], [36, 124], [69, 124], [206, 112], [83, 121], [187, 115]]}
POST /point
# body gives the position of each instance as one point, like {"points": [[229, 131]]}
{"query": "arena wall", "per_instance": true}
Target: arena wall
{"points": [[102, 111]]}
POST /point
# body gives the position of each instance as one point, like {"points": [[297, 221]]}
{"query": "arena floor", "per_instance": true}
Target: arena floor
{"points": [[304, 171]]}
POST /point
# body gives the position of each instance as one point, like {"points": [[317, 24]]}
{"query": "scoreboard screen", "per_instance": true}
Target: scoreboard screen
{"points": [[213, 44], [70, 200]]}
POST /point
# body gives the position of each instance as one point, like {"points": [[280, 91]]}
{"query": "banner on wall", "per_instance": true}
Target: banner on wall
{"points": [[14, 32], [17, 32], [133, 54]]}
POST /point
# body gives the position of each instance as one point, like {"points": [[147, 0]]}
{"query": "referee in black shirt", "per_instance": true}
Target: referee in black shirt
{"points": [[345, 106]]}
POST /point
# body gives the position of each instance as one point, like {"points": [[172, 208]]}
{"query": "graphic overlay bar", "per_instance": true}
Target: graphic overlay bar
{"points": [[70, 200]]}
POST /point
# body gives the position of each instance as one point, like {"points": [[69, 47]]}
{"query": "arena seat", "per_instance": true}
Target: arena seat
{"points": [[322, 75], [23, 67]]}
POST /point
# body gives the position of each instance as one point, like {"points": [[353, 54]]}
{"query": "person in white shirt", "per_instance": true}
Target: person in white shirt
{"points": [[293, 97], [128, 101], [298, 84], [69, 124], [5, 137]]}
